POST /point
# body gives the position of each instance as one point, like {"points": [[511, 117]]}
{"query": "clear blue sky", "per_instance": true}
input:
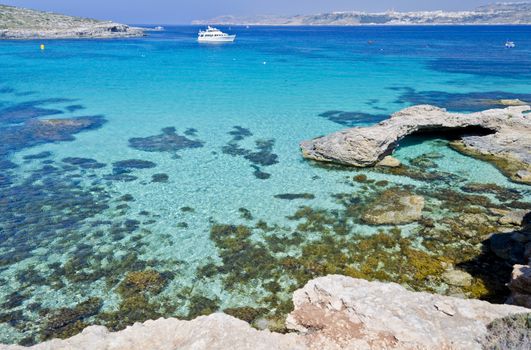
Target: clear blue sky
{"points": [[184, 11]]}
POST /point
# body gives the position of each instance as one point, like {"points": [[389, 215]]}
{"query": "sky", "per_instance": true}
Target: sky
{"points": [[185, 11]]}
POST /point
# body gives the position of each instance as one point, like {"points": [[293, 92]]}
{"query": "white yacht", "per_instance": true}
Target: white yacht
{"points": [[213, 35], [510, 44]]}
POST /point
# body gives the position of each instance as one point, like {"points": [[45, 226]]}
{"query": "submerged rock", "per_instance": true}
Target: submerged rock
{"points": [[333, 312], [515, 217], [393, 207], [457, 278], [507, 143], [389, 161]]}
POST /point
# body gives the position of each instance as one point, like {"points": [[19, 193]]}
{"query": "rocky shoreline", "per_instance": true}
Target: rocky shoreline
{"points": [[24, 24], [500, 136], [332, 312]]}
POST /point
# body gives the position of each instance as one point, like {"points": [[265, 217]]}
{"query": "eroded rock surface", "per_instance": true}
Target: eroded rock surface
{"points": [[336, 312], [333, 312], [508, 146]]}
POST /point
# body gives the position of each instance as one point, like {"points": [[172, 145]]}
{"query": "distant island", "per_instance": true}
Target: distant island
{"points": [[20, 23], [499, 13]]}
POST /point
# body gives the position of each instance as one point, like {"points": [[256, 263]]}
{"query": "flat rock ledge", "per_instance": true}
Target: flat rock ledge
{"points": [[508, 144], [332, 312]]}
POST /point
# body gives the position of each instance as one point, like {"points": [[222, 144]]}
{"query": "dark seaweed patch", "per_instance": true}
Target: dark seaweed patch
{"points": [[134, 164], [40, 155], [6, 90], [7, 164], [292, 196], [168, 141], [24, 111], [85, 163], [191, 132], [262, 156], [484, 66], [37, 131], [120, 177], [351, 119], [259, 174], [73, 108], [240, 133], [460, 102], [159, 177]]}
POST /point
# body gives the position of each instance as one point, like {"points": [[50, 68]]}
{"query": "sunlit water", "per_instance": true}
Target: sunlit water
{"points": [[275, 82]]}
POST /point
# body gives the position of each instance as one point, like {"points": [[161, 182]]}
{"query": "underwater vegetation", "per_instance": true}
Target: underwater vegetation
{"points": [[351, 119], [25, 111], [41, 155], [122, 169], [460, 102], [159, 177], [262, 156], [74, 108], [168, 141], [292, 196], [518, 68], [38, 131], [85, 163], [133, 164]]}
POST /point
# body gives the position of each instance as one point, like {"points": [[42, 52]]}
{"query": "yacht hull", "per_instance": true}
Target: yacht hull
{"points": [[214, 40]]}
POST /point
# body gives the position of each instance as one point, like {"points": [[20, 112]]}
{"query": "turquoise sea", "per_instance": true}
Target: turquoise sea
{"points": [[179, 138]]}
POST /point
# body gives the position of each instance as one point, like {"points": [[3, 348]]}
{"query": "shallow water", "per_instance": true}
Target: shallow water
{"points": [[68, 233]]}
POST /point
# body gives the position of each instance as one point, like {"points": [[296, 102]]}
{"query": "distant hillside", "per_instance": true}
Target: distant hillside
{"points": [[19, 23], [500, 13]]}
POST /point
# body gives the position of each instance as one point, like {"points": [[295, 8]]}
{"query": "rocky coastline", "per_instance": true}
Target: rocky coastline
{"points": [[500, 136], [332, 312], [24, 24]]}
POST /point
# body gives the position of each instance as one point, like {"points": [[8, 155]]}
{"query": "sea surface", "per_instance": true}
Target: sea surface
{"points": [[178, 139]]}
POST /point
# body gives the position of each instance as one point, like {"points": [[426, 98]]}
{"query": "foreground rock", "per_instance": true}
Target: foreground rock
{"points": [[508, 146], [333, 312], [520, 285], [19, 23], [340, 312]]}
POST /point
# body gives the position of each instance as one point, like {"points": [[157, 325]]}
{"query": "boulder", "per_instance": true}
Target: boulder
{"points": [[457, 278], [390, 162], [520, 286], [393, 207]]}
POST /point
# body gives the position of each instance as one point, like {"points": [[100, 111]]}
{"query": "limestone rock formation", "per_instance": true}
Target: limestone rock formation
{"points": [[333, 312], [336, 312], [20, 23], [508, 145]]}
